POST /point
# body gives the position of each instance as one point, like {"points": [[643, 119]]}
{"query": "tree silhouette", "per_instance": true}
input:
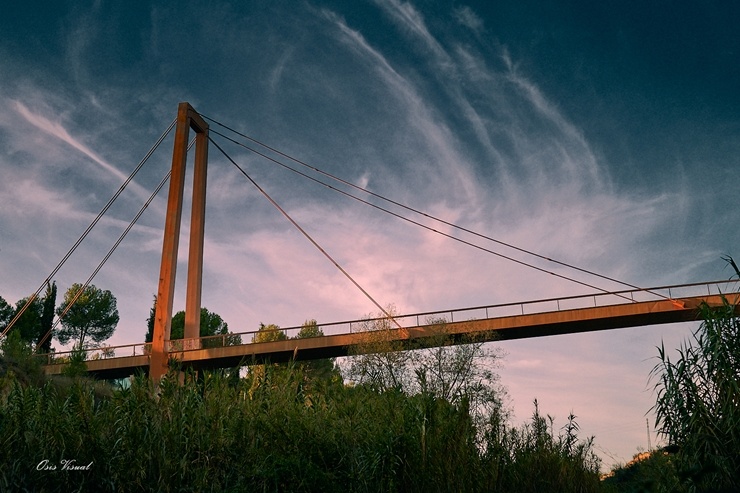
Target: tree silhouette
{"points": [[87, 315]]}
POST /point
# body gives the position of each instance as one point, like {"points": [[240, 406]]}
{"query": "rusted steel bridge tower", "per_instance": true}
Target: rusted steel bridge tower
{"points": [[187, 118]]}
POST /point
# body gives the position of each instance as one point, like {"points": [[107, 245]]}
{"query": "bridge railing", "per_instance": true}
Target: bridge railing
{"points": [[474, 313], [659, 293], [102, 352]]}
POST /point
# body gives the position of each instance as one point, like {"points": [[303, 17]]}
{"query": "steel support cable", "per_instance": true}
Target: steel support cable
{"points": [[89, 228], [421, 213], [105, 259], [308, 237], [110, 252], [429, 228]]}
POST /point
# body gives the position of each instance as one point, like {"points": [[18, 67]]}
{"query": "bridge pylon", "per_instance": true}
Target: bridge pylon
{"points": [[187, 118]]}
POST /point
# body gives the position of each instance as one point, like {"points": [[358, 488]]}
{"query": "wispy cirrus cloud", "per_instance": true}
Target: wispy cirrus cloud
{"points": [[411, 20], [468, 18], [55, 129]]}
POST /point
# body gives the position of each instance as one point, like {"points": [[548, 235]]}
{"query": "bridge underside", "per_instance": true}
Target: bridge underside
{"points": [[491, 329]]}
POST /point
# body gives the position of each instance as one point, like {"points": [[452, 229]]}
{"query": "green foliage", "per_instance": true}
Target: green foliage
{"points": [[318, 373], [47, 317], [310, 328], [289, 427], [211, 435], [150, 322], [87, 314], [698, 402], [533, 459], [29, 323], [76, 366], [18, 360], [269, 333], [653, 472], [211, 324], [380, 361], [15, 346], [459, 372], [6, 313], [35, 321]]}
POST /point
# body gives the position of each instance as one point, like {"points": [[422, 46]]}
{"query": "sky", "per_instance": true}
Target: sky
{"points": [[599, 134]]}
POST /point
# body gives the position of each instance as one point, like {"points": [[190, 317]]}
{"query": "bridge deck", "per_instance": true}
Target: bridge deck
{"points": [[489, 329]]}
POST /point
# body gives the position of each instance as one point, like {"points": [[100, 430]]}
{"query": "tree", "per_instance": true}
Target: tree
{"points": [[211, 324], [36, 320], [47, 317], [258, 373], [6, 313], [89, 314], [457, 370], [269, 333], [319, 370], [380, 360], [150, 321], [29, 324]]}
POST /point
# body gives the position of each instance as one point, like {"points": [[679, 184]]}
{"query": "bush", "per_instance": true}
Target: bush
{"points": [[698, 402]]}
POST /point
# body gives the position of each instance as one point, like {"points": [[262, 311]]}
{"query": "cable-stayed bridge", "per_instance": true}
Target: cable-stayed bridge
{"points": [[600, 310]]}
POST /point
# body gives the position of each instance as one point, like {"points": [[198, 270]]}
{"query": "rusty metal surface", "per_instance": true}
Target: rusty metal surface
{"points": [[187, 118], [551, 323]]}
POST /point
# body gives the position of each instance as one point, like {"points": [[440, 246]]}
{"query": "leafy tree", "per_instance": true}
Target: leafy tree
{"points": [[150, 322], [318, 371], [29, 324], [36, 320], [380, 361], [89, 314], [211, 324], [47, 317], [13, 346], [17, 359], [460, 372], [444, 368], [269, 333], [6, 313], [453, 370], [77, 367], [310, 328]]}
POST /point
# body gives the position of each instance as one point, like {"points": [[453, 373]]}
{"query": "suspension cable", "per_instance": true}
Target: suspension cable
{"points": [[308, 237], [110, 252], [105, 259], [408, 208], [89, 228], [416, 223]]}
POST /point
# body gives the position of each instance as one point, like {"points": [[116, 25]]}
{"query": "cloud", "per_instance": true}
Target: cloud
{"points": [[25, 197], [525, 363], [411, 20], [57, 130], [465, 16], [277, 72], [439, 141]]}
